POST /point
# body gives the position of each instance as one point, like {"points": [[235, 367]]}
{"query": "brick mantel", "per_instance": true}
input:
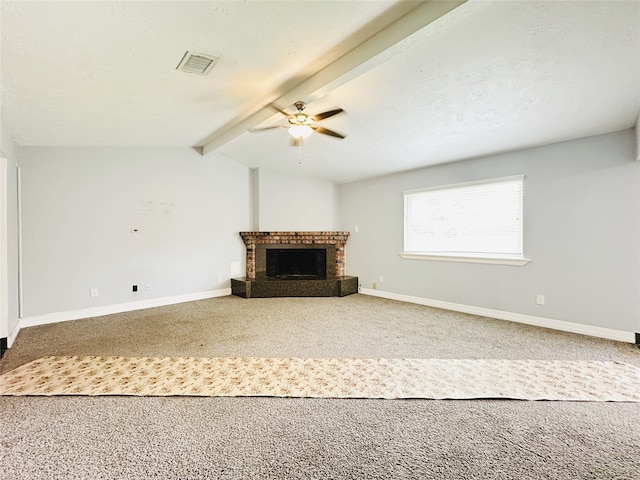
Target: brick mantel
{"points": [[337, 239]]}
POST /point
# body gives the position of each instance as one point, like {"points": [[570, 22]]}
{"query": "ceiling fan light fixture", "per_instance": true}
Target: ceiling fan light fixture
{"points": [[300, 131]]}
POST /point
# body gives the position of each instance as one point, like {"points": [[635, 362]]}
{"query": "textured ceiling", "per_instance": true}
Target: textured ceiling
{"points": [[489, 76], [103, 73]]}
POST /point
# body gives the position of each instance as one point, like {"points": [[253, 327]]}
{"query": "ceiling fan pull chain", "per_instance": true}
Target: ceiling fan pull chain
{"points": [[300, 152]]}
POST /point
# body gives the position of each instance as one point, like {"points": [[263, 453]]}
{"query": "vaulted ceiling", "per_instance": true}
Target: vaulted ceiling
{"points": [[422, 83]]}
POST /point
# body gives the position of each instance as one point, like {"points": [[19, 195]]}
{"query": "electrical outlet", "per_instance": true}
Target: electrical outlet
{"points": [[134, 288], [539, 299], [93, 292], [381, 279], [147, 287], [374, 286]]}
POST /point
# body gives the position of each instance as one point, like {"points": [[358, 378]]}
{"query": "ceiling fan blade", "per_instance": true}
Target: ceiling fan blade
{"points": [[329, 113], [279, 110], [326, 131], [266, 128]]}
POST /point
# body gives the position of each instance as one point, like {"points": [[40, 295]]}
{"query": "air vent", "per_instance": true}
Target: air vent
{"points": [[198, 63]]}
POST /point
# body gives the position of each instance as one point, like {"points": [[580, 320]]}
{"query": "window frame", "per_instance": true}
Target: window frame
{"points": [[470, 257]]}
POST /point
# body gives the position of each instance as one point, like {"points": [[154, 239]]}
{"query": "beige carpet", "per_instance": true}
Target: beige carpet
{"points": [[388, 378]]}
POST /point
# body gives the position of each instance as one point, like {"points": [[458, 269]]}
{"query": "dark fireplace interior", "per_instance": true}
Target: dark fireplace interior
{"points": [[297, 263]]}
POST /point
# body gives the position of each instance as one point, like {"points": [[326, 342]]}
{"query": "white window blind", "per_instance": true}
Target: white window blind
{"points": [[478, 219]]}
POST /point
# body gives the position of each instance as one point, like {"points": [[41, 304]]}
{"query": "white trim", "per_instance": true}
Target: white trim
{"points": [[465, 259], [4, 256], [637, 131], [601, 332], [111, 309], [593, 331], [19, 226]]}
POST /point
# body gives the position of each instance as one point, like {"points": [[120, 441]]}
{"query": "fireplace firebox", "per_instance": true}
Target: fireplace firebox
{"points": [[294, 264], [297, 263]]}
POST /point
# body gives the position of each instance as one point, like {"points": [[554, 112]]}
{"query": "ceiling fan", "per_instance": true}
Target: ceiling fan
{"points": [[300, 125]]}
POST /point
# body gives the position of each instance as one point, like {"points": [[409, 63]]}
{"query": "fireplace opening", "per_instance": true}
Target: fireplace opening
{"points": [[297, 263]]}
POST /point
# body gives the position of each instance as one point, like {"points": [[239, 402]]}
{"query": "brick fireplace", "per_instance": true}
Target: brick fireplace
{"points": [[294, 264]]}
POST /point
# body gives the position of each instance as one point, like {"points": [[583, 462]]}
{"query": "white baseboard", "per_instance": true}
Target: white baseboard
{"points": [[45, 319], [593, 331], [601, 332]]}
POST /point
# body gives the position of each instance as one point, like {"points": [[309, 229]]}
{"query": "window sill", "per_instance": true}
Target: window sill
{"points": [[463, 259]]}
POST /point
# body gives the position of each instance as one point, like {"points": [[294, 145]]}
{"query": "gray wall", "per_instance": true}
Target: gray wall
{"points": [[582, 224], [582, 215], [80, 204], [294, 202]]}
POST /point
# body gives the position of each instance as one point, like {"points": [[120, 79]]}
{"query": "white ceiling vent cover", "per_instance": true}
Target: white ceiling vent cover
{"points": [[198, 63]]}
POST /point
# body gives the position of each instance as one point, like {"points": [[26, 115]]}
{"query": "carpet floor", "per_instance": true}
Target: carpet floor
{"points": [[124, 437]]}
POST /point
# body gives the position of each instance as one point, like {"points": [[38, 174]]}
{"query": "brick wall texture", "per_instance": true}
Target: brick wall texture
{"points": [[251, 239]]}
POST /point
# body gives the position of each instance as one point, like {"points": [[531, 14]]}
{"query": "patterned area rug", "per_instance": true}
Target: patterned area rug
{"points": [[390, 378]]}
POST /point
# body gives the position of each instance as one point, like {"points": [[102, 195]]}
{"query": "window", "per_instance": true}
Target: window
{"points": [[477, 222]]}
